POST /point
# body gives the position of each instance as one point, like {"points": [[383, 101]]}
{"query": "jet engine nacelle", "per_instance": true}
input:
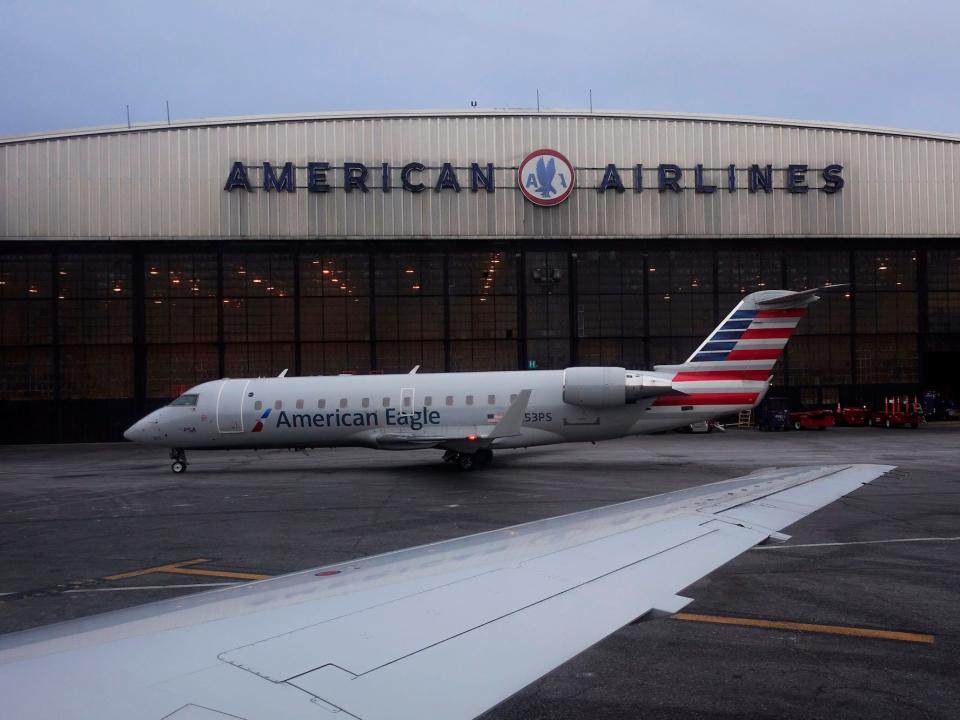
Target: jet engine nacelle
{"points": [[611, 386]]}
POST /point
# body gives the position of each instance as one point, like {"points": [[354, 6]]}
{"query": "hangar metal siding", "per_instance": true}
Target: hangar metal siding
{"points": [[160, 182]]}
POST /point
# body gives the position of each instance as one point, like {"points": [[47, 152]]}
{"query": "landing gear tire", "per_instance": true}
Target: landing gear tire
{"points": [[797, 425], [179, 458], [466, 462], [484, 457]]}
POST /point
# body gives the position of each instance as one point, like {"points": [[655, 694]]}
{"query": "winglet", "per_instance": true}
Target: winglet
{"points": [[284, 373], [414, 371], [512, 419]]}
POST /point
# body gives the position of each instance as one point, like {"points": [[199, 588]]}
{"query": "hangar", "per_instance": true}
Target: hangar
{"points": [[137, 261]]}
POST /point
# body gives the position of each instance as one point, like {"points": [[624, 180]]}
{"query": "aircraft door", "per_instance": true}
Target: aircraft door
{"points": [[230, 406]]}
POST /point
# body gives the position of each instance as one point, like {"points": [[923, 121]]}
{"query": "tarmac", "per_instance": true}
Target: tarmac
{"points": [[858, 611]]}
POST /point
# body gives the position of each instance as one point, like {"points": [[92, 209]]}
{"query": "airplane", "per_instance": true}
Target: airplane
{"points": [[469, 414], [446, 630]]}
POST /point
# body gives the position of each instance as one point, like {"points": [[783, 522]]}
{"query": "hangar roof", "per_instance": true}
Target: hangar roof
{"points": [[478, 113]]}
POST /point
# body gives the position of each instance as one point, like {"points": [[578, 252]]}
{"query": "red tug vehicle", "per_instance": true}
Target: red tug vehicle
{"points": [[897, 412]]}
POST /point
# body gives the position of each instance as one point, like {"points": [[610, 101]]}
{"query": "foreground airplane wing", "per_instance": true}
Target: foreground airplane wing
{"points": [[440, 631]]}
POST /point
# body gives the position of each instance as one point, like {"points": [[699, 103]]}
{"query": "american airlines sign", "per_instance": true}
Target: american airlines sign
{"points": [[545, 177]]}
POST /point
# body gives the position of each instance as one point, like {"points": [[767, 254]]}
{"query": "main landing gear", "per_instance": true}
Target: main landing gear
{"points": [[179, 464], [469, 461]]}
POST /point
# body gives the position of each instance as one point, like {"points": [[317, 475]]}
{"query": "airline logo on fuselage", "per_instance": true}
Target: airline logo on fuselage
{"points": [[391, 417]]}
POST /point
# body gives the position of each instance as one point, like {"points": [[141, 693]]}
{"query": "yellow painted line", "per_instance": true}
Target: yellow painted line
{"points": [[180, 568], [809, 627], [217, 573], [158, 569]]}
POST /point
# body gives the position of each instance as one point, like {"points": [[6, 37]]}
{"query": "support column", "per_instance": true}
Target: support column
{"points": [[139, 327]]}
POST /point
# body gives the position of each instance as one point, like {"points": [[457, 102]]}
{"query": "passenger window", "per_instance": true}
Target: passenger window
{"points": [[258, 405], [449, 399], [428, 400], [365, 402], [278, 405], [299, 404], [343, 402], [386, 402], [469, 399], [491, 399], [185, 401], [321, 404]]}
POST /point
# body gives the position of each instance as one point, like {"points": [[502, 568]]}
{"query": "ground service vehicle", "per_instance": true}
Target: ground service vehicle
{"points": [[897, 412]]}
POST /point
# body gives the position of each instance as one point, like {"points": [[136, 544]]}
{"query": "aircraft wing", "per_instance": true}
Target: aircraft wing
{"points": [[465, 439], [440, 631]]}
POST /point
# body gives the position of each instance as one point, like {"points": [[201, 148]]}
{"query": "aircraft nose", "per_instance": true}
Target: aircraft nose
{"points": [[133, 432]]}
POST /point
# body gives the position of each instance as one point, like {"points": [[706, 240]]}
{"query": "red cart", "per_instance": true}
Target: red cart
{"points": [[897, 412]]}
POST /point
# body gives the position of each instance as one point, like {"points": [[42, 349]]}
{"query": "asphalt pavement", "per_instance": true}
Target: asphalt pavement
{"points": [[90, 528]]}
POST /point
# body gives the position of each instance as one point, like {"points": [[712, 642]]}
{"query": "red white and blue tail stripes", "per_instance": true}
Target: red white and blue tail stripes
{"points": [[731, 367], [747, 336]]}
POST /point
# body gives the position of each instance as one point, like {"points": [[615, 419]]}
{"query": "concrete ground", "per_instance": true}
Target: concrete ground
{"points": [[73, 516]]}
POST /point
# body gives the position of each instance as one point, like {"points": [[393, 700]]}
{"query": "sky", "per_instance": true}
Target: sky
{"points": [[79, 63]]}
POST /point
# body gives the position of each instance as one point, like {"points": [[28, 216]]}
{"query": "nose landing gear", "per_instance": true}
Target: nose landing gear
{"points": [[179, 463]]}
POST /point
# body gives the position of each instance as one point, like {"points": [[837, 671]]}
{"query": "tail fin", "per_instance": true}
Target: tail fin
{"points": [[734, 364]]}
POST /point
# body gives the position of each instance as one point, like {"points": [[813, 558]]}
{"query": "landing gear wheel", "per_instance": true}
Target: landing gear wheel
{"points": [[887, 424], [466, 462], [484, 457], [179, 458], [797, 425]]}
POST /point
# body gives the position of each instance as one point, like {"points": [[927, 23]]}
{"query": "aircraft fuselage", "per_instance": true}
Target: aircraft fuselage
{"points": [[350, 410]]}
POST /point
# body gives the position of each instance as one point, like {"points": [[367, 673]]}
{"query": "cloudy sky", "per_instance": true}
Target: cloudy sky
{"points": [[72, 64]]}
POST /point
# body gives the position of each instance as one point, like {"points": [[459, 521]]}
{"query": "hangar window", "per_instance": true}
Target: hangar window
{"points": [[343, 402], [491, 399], [428, 400], [258, 405], [365, 402], [299, 404], [469, 399], [278, 405], [449, 399], [321, 403], [185, 401]]}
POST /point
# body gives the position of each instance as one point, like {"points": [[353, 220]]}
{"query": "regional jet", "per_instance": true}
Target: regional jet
{"points": [[468, 415], [443, 631]]}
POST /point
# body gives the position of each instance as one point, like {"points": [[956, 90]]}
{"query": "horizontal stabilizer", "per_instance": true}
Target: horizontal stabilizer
{"points": [[798, 299]]}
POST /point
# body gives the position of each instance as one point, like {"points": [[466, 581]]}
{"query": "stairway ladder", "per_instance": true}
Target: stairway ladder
{"points": [[745, 419]]}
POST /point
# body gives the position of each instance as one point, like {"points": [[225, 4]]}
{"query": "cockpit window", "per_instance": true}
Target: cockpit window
{"points": [[185, 401]]}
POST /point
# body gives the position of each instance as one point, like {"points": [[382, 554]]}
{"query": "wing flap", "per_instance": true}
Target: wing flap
{"points": [[361, 641], [469, 673]]}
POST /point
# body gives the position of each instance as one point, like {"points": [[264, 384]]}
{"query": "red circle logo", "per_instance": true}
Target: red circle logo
{"points": [[546, 177]]}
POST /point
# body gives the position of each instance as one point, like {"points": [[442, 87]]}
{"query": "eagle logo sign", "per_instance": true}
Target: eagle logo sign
{"points": [[545, 177]]}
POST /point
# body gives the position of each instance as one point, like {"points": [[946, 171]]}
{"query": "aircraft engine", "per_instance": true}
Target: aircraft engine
{"points": [[611, 386]]}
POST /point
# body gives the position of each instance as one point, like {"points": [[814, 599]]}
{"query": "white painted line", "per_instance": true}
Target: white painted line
{"points": [[857, 542], [148, 587]]}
